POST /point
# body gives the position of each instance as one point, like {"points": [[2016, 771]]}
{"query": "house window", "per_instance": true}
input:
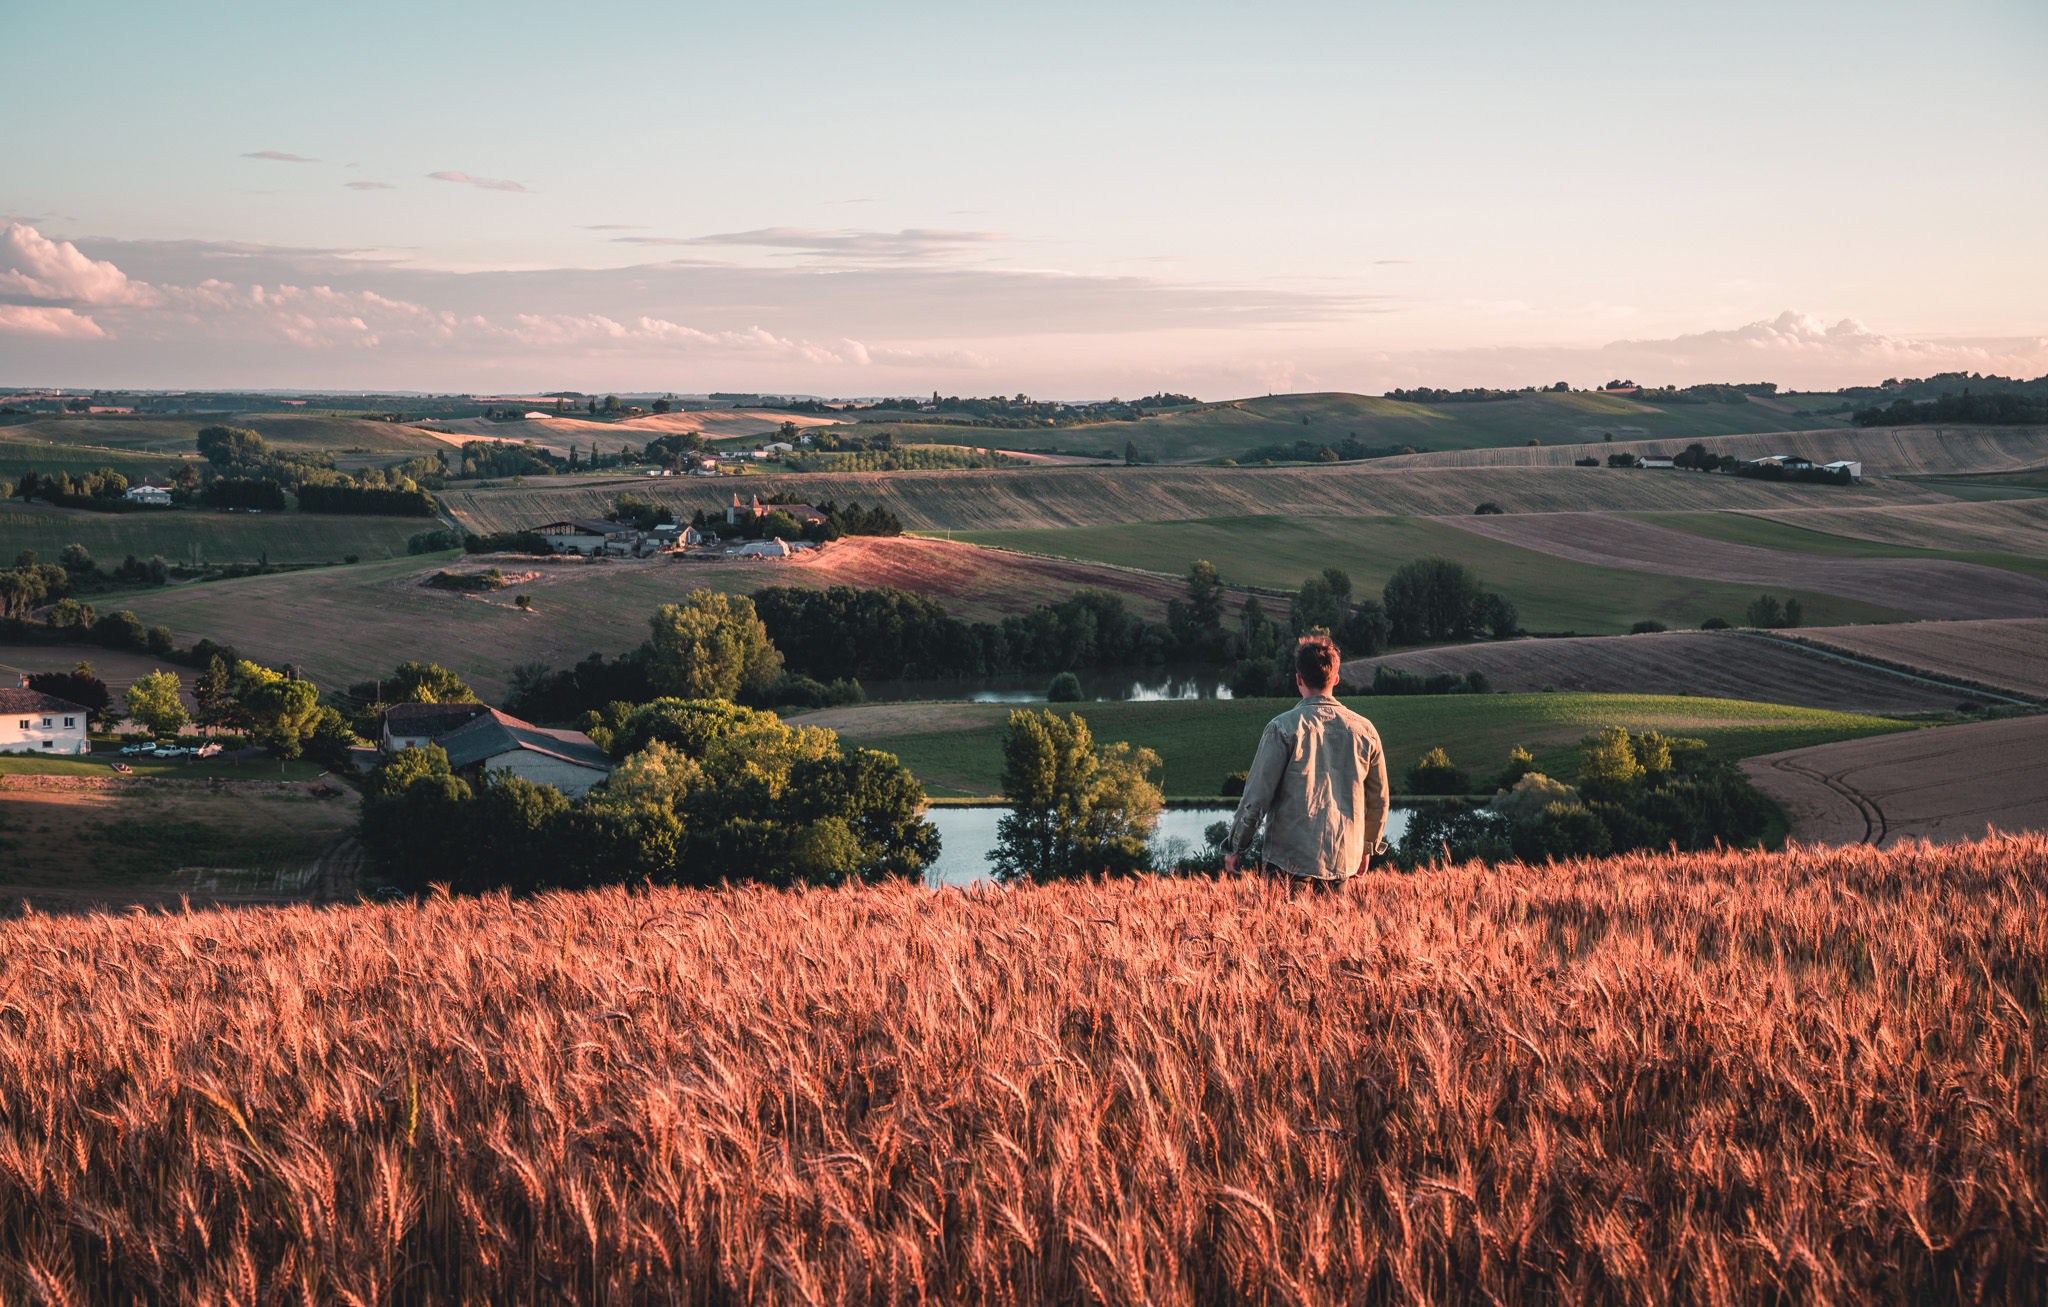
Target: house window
{"points": [[71, 721], [46, 721], [24, 723], [49, 744]]}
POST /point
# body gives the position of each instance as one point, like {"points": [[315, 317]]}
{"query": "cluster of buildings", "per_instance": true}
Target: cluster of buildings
{"points": [[600, 538]]}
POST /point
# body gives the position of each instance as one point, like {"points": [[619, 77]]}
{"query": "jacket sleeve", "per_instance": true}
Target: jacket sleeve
{"points": [[1261, 785], [1377, 799]]}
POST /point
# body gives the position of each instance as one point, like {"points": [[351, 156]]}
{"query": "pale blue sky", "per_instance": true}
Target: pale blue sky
{"points": [[1067, 199]]}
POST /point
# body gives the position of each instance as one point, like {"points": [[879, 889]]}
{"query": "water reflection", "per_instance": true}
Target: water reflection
{"points": [[1151, 684], [968, 835]]}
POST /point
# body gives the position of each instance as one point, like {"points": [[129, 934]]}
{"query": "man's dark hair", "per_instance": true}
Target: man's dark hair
{"points": [[1315, 662]]}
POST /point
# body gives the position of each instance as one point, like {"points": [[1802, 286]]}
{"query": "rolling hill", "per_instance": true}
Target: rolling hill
{"points": [[1883, 451]]}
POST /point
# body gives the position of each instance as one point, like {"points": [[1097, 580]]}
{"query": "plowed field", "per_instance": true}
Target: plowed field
{"points": [[1723, 666], [1084, 496], [2005, 655], [1931, 587], [1883, 451], [1944, 785]]}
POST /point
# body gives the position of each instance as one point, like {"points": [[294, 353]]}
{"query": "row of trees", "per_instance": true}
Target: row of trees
{"points": [[280, 710], [702, 791]]}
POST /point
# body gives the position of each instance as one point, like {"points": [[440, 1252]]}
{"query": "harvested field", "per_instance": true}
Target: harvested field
{"points": [[1883, 451], [557, 434], [1713, 1078], [1715, 664], [372, 616], [1080, 496], [2018, 526], [1944, 785], [1927, 586], [2009, 655]]}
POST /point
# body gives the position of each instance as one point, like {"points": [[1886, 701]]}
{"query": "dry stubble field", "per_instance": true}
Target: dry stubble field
{"points": [[1947, 784], [1811, 1077], [1883, 451], [2008, 655]]}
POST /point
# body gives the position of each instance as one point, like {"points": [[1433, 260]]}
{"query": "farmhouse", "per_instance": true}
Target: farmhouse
{"points": [[34, 722], [1853, 467], [149, 492], [801, 512], [412, 725], [588, 536], [1789, 462], [499, 742], [1655, 460]]}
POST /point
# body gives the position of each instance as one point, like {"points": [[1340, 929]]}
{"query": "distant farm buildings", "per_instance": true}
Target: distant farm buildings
{"points": [[149, 492], [480, 741]]}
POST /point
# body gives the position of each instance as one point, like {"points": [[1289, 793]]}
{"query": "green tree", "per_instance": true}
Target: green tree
{"points": [[710, 646], [1795, 612], [1205, 596], [76, 560], [1435, 773], [214, 693], [154, 701], [416, 682], [280, 711], [1076, 810], [1764, 612], [415, 820], [1432, 599], [1609, 769], [1065, 688]]}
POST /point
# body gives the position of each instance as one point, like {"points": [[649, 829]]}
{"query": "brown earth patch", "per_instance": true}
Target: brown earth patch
{"points": [[1932, 587], [1707, 663], [2007, 655], [1945, 785]]}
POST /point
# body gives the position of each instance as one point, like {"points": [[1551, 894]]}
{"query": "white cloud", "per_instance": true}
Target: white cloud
{"points": [[46, 320], [482, 183], [40, 269]]}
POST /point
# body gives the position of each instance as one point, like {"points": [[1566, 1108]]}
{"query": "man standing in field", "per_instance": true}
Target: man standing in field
{"points": [[1319, 783]]}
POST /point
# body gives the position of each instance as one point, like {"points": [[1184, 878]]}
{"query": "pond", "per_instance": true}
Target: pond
{"points": [[1166, 681], [968, 835]]}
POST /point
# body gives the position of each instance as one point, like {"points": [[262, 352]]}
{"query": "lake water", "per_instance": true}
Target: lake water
{"points": [[968, 835], [1168, 681]]}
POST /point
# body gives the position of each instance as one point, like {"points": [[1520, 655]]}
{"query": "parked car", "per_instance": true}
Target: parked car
{"points": [[133, 749], [170, 751]]}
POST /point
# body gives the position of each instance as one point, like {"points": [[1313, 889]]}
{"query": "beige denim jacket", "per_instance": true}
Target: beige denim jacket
{"points": [[1320, 784]]}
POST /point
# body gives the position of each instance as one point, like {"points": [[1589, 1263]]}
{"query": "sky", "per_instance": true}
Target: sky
{"points": [[1064, 200]]}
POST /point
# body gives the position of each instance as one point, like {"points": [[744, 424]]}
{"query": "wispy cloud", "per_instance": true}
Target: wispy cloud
{"points": [[482, 183], [370, 186], [278, 156], [909, 244], [613, 226]]}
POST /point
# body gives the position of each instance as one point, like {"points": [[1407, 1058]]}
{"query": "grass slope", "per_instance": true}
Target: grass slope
{"points": [[18, 456], [203, 537], [178, 435], [958, 748], [1553, 594], [1883, 451], [1031, 497]]}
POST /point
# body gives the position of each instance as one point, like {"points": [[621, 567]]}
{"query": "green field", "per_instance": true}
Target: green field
{"points": [[18, 456], [200, 537], [1553, 594], [178, 434], [194, 769], [957, 748], [1229, 429], [1763, 533]]}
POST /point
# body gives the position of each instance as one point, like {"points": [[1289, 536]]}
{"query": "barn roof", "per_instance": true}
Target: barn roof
{"points": [[494, 733]]}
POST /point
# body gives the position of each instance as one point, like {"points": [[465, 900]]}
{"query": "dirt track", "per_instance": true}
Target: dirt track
{"points": [[1932, 587], [1945, 784], [2006, 655], [1722, 666]]}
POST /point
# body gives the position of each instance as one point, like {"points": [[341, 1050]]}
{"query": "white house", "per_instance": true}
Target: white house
{"points": [[764, 549], [149, 492], [34, 722], [499, 742], [1849, 465], [1655, 460]]}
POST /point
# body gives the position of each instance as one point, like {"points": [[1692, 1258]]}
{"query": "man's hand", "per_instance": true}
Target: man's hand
{"points": [[1230, 862]]}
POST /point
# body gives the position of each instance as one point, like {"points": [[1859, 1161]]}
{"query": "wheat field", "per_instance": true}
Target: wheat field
{"points": [[1811, 1077]]}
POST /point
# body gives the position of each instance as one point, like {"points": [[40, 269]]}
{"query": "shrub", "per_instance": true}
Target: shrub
{"points": [[1764, 612], [1586, 462], [1488, 509], [1065, 688], [436, 541], [1714, 624], [1650, 626], [1561, 830], [1520, 763], [1435, 773]]}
